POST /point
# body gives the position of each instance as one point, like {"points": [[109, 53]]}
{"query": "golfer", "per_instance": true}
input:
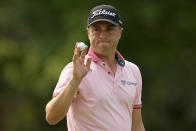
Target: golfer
{"points": [[99, 90]]}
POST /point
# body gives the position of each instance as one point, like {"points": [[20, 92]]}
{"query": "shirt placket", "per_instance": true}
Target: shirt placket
{"points": [[107, 69], [111, 75], [116, 81]]}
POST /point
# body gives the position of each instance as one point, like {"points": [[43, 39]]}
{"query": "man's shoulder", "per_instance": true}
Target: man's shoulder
{"points": [[133, 67], [67, 67], [130, 65]]}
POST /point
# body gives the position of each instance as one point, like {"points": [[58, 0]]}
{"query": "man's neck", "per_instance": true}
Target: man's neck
{"points": [[110, 61]]}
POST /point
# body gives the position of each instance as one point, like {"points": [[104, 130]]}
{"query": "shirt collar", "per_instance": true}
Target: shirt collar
{"points": [[119, 58]]}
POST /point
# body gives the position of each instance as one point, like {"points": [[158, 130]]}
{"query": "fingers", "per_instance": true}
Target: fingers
{"points": [[84, 52], [88, 62], [76, 53]]}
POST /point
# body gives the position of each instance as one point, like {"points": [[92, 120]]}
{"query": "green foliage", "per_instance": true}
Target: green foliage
{"points": [[37, 39]]}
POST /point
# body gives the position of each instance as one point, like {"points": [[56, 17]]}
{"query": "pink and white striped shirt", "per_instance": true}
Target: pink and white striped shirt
{"points": [[104, 101]]}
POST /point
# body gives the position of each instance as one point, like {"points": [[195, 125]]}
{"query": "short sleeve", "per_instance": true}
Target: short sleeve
{"points": [[64, 78], [138, 96]]}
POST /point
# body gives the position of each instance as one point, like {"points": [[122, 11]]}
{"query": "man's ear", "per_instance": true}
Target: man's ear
{"points": [[121, 30], [87, 29]]}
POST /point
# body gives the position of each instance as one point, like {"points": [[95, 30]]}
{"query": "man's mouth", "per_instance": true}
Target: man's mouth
{"points": [[103, 42]]}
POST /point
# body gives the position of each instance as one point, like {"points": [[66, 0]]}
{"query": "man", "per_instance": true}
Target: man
{"points": [[100, 91]]}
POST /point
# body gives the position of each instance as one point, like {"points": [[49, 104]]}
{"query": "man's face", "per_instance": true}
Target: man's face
{"points": [[104, 37]]}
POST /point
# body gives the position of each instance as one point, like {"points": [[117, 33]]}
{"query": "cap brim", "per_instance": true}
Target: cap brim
{"points": [[112, 22]]}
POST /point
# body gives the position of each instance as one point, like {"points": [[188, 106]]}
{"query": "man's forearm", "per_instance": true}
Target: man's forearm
{"points": [[140, 128], [137, 124], [57, 108]]}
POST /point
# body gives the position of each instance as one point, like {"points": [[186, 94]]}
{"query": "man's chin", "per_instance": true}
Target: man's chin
{"points": [[104, 43]]}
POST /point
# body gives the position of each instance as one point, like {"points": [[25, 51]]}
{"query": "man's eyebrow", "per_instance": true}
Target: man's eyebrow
{"points": [[111, 25], [94, 26]]}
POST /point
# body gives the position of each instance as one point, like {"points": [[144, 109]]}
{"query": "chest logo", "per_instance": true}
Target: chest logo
{"points": [[128, 83]]}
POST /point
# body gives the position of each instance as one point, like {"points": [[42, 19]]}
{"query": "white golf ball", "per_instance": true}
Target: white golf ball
{"points": [[82, 46]]}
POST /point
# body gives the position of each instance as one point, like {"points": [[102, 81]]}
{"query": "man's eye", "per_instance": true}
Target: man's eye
{"points": [[110, 29], [95, 29]]}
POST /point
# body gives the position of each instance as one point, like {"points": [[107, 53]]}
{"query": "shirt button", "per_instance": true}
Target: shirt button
{"points": [[104, 64]]}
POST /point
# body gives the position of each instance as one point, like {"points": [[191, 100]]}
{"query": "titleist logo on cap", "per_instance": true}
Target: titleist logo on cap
{"points": [[101, 11], [106, 13]]}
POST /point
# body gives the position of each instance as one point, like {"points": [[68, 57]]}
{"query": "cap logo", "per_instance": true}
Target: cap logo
{"points": [[102, 11]]}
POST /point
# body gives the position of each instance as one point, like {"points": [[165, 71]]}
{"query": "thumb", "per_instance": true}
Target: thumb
{"points": [[88, 62]]}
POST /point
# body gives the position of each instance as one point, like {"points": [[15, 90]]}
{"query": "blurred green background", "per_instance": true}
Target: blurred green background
{"points": [[37, 40]]}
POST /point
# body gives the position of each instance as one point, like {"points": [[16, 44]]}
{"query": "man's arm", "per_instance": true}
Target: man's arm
{"points": [[58, 107], [137, 124]]}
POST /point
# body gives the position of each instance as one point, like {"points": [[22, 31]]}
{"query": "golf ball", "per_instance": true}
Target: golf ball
{"points": [[82, 46]]}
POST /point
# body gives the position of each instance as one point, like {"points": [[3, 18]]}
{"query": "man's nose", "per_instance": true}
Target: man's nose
{"points": [[103, 34]]}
